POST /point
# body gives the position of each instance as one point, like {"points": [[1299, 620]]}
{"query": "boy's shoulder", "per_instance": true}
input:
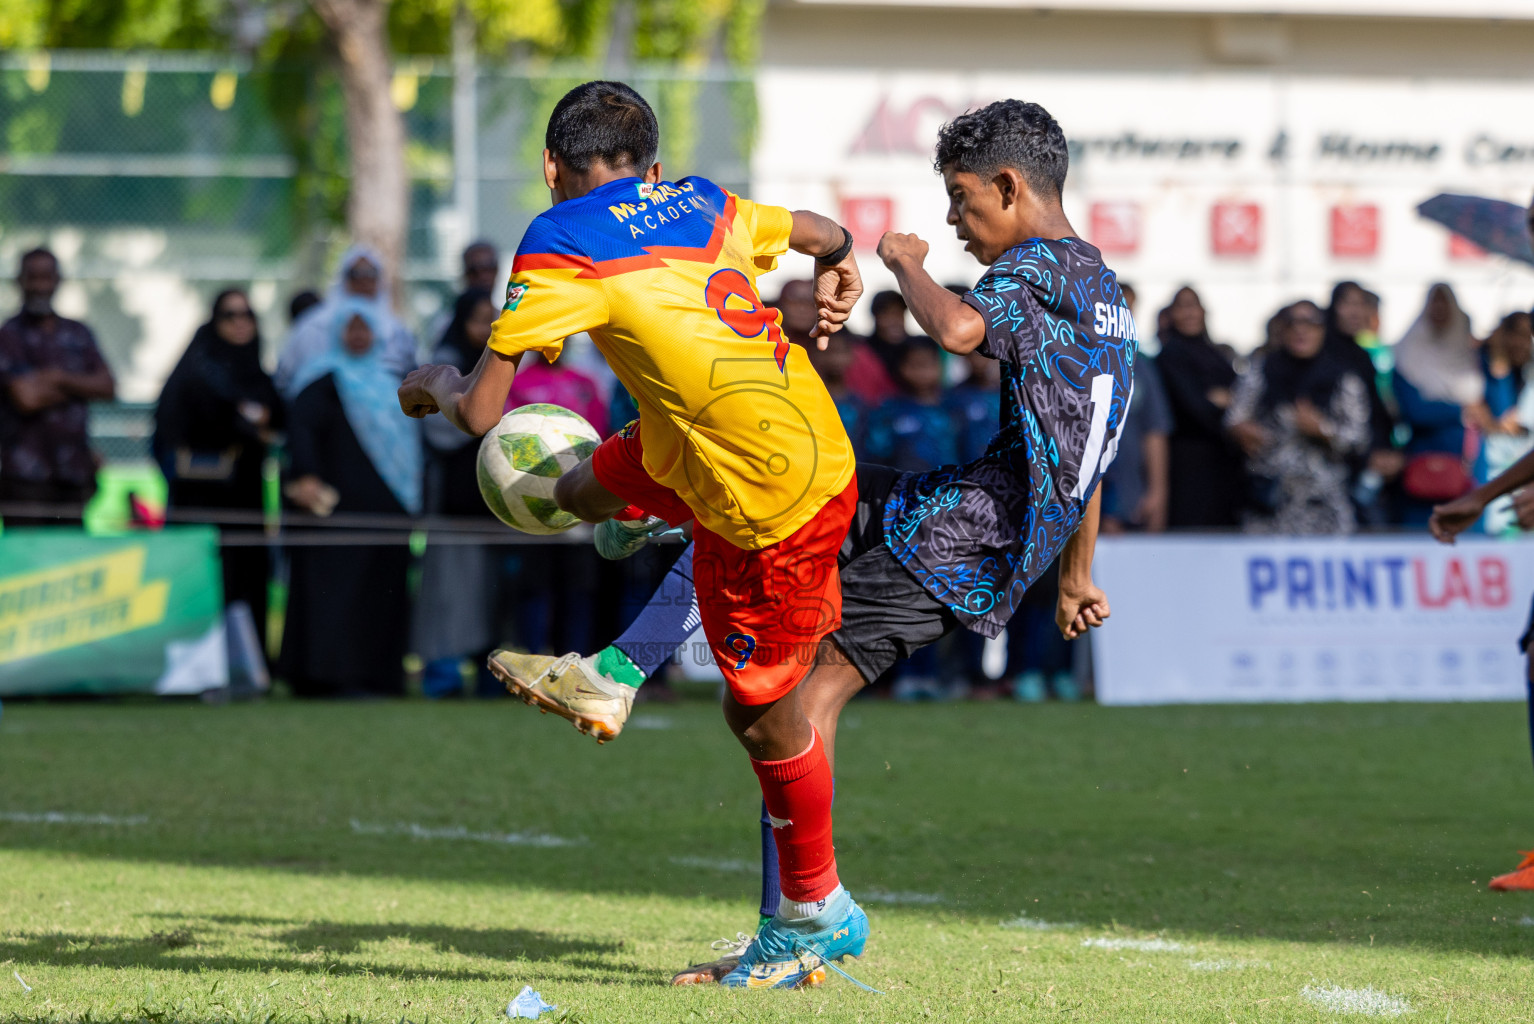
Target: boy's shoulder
{"points": [[617, 220], [1067, 253]]}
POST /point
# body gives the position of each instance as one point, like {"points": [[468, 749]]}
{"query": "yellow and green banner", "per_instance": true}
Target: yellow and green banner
{"points": [[98, 614]]}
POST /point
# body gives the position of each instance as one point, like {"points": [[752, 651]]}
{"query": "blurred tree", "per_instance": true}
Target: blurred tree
{"points": [[297, 44]]}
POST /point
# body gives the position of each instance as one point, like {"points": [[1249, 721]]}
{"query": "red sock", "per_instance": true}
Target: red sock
{"points": [[798, 797]]}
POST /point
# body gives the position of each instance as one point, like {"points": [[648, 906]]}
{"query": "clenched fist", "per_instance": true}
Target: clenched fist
{"points": [[895, 247]]}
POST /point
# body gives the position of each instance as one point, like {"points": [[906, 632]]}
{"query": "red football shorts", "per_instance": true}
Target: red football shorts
{"points": [[764, 611]]}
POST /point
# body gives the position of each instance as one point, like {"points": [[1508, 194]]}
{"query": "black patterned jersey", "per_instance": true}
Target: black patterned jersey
{"points": [[978, 535]]}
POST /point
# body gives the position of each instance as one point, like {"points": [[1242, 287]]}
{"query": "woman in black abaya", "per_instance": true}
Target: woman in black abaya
{"points": [[1207, 479], [215, 415]]}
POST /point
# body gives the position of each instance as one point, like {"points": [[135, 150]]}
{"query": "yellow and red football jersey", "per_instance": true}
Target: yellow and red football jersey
{"points": [[732, 416]]}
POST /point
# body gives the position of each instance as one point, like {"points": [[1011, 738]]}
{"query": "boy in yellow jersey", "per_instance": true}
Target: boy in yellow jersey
{"points": [[736, 432]]}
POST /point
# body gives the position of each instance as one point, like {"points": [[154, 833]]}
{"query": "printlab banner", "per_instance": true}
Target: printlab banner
{"points": [[87, 614], [1201, 620]]}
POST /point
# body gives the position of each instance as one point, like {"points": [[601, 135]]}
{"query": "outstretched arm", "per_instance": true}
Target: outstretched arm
{"points": [[1082, 605], [838, 285], [946, 318], [474, 403], [1455, 517]]}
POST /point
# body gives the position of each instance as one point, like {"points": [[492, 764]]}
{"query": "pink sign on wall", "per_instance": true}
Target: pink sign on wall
{"points": [[1116, 227], [868, 219], [1355, 230], [1235, 229]]}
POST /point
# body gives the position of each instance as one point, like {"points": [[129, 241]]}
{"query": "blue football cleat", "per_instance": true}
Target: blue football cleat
{"points": [[789, 955]]}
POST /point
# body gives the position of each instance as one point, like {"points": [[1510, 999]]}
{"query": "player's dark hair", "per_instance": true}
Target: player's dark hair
{"points": [[606, 121], [1007, 133]]}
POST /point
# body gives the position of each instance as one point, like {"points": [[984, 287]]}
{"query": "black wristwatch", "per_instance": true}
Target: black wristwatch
{"points": [[831, 259]]}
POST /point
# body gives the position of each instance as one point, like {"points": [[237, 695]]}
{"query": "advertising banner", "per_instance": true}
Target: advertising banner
{"points": [[1257, 186], [94, 614], [1260, 619]]}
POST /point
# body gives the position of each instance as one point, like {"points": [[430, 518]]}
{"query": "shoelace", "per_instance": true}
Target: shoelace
{"points": [[560, 665], [797, 947], [733, 947], [800, 944]]}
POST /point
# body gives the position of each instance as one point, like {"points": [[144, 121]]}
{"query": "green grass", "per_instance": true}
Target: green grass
{"points": [[1290, 847]]}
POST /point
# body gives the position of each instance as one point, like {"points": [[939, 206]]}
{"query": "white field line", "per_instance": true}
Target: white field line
{"points": [[709, 864], [1032, 924], [1139, 945], [1222, 965], [885, 896], [70, 818], [655, 722], [458, 832], [1366, 1002], [1526, 921], [17, 976]]}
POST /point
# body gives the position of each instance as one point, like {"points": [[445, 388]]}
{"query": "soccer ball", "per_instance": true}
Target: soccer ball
{"points": [[523, 457]]}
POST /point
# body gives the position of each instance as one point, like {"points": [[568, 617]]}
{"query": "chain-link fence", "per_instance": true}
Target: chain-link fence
{"points": [[159, 179]]}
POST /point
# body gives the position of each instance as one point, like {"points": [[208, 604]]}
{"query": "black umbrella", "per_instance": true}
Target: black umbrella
{"points": [[1493, 224]]}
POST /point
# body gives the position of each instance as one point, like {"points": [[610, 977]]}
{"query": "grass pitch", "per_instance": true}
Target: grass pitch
{"points": [[387, 862]]}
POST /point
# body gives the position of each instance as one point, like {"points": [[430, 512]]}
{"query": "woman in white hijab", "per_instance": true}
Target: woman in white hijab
{"points": [[1437, 377], [359, 276]]}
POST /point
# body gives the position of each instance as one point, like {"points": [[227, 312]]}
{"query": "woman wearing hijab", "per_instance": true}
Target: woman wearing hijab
{"points": [[358, 279], [456, 604], [1438, 381], [1301, 414], [351, 451], [1205, 471], [215, 416], [1506, 414]]}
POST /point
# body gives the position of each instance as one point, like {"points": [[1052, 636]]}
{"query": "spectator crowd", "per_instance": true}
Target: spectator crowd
{"points": [[1323, 429]]}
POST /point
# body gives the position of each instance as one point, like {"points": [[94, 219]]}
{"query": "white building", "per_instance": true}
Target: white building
{"points": [[1258, 149]]}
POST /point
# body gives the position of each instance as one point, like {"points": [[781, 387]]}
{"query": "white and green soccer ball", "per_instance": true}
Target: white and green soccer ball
{"points": [[523, 457]]}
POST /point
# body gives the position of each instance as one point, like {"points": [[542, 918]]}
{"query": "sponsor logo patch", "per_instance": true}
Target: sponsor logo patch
{"points": [[515, 292]]}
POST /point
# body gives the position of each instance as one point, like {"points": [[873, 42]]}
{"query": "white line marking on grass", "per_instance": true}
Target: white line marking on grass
{"points": [[70, 818], [1221, 965], [17, 976], [1526, 921], [885, 896], [714, 865], [657, 722], [1139, 945], [459, 832], [1367, 1002], [1033, 924]]}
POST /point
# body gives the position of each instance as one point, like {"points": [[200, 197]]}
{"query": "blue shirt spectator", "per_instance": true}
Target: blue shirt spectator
{"points": [[833, 363], [1135, 485], [975, 407], [914, 431]]}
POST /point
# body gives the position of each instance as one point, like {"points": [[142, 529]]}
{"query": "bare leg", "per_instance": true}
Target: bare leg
{"points": [[769, 732], [583, 496], [826, 690]]}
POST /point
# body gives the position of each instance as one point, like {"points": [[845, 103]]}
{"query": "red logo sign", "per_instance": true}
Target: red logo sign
{"points": [[1462, 248], [1355, 230], [1116, 227], [1235, 229], [868, 220]]}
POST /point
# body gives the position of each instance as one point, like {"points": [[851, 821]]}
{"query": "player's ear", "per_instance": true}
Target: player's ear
{"points": [[1010, 184], [653, 175], [550, 170]]}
